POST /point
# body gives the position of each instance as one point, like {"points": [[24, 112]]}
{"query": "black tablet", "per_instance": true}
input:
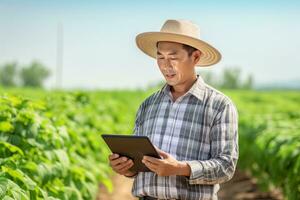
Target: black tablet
{"points": [[133, 147]]}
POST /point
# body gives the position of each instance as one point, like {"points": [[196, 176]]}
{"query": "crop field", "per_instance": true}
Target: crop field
{"points": [[50, 144]]}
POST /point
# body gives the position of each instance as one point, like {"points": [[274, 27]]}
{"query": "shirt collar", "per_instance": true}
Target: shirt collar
{"points": [[197, 89]]}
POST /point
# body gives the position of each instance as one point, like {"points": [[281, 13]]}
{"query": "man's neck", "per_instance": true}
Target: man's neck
{"points": [[181, 89]]}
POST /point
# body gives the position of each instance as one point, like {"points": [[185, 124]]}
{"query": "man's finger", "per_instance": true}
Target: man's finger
{"points": [[162, 153], [152, 160], [122, 165], [126, 167], [118, 161], [113, 156], [151, 166]]}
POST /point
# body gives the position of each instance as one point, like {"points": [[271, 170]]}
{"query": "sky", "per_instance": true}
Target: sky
{"points": [[99, 51]]}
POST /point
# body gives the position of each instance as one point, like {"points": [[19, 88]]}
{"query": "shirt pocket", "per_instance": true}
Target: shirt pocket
{"points": [[195, 141]]}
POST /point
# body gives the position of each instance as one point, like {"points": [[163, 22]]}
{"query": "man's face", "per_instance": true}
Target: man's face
{"points": [[174, 63]]}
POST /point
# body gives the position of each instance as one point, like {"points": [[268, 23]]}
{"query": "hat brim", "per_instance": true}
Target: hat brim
{"points": [[147, 43]]}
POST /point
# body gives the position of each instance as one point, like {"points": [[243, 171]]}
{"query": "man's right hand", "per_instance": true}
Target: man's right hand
{"points": [[121, 165]]}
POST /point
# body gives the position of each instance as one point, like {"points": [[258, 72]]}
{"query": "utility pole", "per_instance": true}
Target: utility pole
{"points": [[59, 56]]}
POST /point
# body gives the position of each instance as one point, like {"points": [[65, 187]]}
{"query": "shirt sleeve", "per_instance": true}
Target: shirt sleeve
{"points": [[137, 123], [224, 150]]}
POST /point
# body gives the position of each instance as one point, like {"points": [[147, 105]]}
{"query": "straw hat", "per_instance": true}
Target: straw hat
{"points": [[180, 31]]}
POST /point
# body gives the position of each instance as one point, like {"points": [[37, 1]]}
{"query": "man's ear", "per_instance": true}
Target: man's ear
{"points": [[196, 55]]}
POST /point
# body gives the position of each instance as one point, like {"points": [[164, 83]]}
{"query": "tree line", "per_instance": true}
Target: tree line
{"points": [[229, 78], [35, 74], [15, 75]]}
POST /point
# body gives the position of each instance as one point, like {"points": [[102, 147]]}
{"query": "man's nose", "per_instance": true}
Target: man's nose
{"points": [[167, 64]]}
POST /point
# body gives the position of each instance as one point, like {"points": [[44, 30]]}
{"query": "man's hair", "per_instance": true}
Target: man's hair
{"points": [[189, 49]]}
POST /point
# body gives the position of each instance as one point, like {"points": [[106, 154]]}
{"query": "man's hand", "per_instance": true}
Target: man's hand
{"points": [[121, 165], [166, 166]]}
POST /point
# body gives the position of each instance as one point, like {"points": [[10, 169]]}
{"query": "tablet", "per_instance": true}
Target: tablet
{"points": [[133, 147]]}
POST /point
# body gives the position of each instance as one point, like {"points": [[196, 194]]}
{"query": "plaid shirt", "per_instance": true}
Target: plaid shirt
{"points": [[201, 128]]}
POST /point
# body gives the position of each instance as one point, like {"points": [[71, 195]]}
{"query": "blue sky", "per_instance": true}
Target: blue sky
{"points": [[260, 37]]}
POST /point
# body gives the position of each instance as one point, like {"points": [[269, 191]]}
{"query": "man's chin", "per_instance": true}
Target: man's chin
{"points": [[171, 83]]}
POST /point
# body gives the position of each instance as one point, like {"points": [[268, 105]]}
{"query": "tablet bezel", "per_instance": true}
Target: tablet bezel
{"points": [[133, 152]]}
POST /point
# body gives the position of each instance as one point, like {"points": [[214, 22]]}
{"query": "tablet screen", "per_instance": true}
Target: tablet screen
{"points": [[133, 147]]}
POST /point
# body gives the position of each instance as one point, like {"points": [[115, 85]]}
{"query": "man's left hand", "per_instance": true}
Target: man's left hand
{"points": [[166, 166]]}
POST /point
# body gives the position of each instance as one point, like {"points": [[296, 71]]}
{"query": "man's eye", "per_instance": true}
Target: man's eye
{"points": [[173, 58]]}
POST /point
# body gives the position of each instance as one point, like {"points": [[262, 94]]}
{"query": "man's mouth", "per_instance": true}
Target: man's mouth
{"points": [[170, 75]]}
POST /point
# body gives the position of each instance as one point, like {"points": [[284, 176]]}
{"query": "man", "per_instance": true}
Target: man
{"points": [[193, 126]]}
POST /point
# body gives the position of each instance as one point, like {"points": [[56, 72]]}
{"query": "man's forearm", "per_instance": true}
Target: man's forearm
{"points": [[183, 169], [212, 171]]}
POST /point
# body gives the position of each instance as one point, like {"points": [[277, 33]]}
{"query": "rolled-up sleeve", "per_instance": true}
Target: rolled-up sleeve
{"points": [[224, 150], [138, 118]]}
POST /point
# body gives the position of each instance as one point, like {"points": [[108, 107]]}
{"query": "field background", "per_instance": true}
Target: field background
{"points": [[71, 71], [50, 143]]}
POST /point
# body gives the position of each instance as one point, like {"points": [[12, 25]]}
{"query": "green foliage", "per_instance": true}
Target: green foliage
{"points": [[269, 138], [51, 148]]}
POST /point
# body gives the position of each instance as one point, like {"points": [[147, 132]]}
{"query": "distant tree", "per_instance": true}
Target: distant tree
{"points": [[209, 77], [34, 75], [8, 74], [248, 84], [231, 78]]}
